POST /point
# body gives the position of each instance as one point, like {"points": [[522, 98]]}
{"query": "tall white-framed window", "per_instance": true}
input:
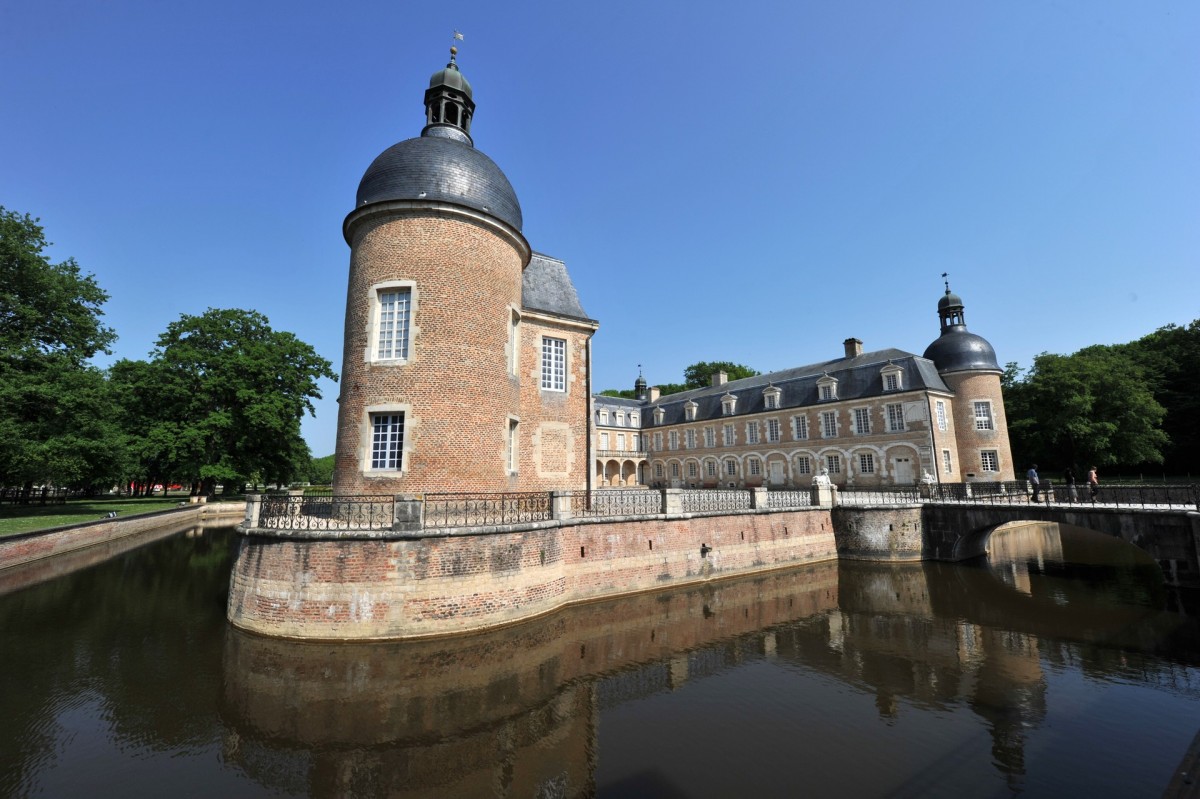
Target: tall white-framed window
{"points": [[729, 435], [833, 463], [862, 421], [690, 438], [633, 420], [940, 411], [983, 415], [800, 427], [658, 470], [692, 469], [989, 459], [895, 414], [710, 437], [620, 418], [829, 424], [710, 468], [604, 441], [731, 466], [675, 469], [773, 433], [947, 462], [391, 321], [658, 441], [620, 442], [752, 432], [603, 417], [754, 466], [635, 442], [554, 364], [866, 463], [803, 464], [387, 441], [513, 461], [673, 439]]}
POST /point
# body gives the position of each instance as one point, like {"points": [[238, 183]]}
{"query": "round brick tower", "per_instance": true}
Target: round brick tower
{"points": [[967, 363], [436, 256]]}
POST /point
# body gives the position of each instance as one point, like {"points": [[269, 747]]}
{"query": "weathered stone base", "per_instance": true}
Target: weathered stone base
{"points": [[446, 583]]}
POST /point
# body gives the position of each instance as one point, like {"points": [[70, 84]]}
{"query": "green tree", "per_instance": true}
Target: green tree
{"points": [[1093, 407], [699, 374], [45, 308], [1170, 357], [233, 393], [56, 414], [320, 471]]}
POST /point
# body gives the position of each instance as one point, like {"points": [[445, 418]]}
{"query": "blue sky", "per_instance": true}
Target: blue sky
{"points": [[752, 182]]}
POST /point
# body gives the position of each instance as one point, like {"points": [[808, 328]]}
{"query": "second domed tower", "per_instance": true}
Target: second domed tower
{"points": [[967, 364]]}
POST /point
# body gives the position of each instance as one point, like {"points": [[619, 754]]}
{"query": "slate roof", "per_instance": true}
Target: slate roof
{"points": [[858, 377], [546, 286], [434, 167]]}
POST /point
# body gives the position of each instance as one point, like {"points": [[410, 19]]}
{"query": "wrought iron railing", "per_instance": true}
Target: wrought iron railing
{"points": [[616, 502], [710, 499], [482, 510], [879, 495], [620, 453], [283, 512], [789, 499]]}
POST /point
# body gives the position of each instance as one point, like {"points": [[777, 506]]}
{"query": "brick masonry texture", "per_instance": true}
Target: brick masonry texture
{"points": [[969, 387], [331, 589]]}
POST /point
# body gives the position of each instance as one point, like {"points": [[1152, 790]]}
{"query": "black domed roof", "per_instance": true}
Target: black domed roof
{"points": [[443, 169], [949, 300], [452, 78], [958, 350]]}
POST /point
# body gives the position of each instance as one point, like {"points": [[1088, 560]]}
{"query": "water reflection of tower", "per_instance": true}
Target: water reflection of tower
{"points": [[1010, 693]]}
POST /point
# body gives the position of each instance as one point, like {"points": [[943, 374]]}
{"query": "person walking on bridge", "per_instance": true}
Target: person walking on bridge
{"points": [[1033, 481], [1093, 482]]}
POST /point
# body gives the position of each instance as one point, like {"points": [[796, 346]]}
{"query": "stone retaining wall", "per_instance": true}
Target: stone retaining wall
{"points": [[26, 547], [439, 583]]}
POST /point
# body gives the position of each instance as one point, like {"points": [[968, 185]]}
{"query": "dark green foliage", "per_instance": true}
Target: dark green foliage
{"points": [[699, 374], [57, 415]]}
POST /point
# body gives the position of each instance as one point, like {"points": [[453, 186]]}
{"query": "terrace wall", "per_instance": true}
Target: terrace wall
{"points": [[466, 579]]}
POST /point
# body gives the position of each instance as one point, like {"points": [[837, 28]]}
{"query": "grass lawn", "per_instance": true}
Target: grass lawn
{"points": [[23, 518]]}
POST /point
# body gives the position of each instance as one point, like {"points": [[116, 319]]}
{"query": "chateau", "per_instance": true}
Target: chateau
{"points": [[467, 364]]}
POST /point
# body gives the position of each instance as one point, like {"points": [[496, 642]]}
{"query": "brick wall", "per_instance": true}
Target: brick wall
{"points": [[455, 385], [969, 387], [459, 583]]}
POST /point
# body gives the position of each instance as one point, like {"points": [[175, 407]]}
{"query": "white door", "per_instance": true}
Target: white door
{"points": [[902, 468], [776, 473]]}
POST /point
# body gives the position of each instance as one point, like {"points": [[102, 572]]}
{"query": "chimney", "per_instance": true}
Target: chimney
{"points": [[655, 393], [720, 378], [853, 347]]}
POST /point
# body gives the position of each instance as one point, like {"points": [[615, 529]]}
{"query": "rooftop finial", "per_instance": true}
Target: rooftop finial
{"points": [[944, 278]]}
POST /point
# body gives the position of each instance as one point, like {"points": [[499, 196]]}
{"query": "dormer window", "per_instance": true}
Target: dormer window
{"points": [[771, 397], [659, 414], [728, 404], [893, 377], [620, 417], [633, 420], [827, 388], [689, 411], [603, 417]]}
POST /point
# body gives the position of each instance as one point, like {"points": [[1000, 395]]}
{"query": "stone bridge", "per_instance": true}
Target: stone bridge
{"points": [[959, 530]]}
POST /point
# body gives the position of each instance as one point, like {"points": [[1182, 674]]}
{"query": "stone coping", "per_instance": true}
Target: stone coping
{"points": [[220, 508], [545, 524]]}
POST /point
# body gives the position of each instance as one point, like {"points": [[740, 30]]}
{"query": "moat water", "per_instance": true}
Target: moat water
{"points": [[1061, 666]]}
